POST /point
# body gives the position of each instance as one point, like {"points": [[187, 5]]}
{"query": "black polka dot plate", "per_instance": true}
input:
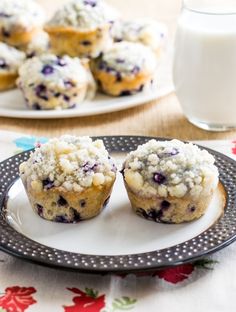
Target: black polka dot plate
{"points": [[117, 240]]}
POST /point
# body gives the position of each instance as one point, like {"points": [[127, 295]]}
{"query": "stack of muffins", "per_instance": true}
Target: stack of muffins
{"points": [[84, 47]]}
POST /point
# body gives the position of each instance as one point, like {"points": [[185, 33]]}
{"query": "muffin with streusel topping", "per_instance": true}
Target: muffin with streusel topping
{"points": [[10, 61], [69, 179], [170, 181], [146, 31], [81, 28], [125, 69], [51, 82], [20, 21]]}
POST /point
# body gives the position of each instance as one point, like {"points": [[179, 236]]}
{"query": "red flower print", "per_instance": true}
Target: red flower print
{"points": [[17, 299], [176, 274], [87, 301], [234, 148]]}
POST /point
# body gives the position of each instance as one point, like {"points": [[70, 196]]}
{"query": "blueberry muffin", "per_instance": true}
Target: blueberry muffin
{"points": [[38, 45], [125, 69], [20, 21], [69, 179], [10, 61], [146, 31], [81, 28], [51, 82], [170, 181]]}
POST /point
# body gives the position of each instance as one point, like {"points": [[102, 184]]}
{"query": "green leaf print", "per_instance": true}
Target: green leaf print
{"points": [[121, 304]]}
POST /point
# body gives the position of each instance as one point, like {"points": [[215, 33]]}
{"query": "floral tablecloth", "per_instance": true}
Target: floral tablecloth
{"points": [[205, 285]]}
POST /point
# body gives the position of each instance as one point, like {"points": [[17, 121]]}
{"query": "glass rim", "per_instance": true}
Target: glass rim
{"points": [[187, 6]]}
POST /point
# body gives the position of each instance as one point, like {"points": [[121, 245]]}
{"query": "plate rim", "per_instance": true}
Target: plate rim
{"points": [[132, 101], [147, 264]]}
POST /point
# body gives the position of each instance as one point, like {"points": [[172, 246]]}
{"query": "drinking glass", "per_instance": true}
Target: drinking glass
{"points": [[204, 67]]}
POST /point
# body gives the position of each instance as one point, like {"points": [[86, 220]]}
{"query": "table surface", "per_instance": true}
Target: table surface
{"points": [[159, 118]]}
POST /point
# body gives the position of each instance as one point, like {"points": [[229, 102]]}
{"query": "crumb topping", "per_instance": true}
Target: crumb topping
{"points": [[10, 58], [170, 168], [146, 31], [23, 14], [84, 14], [72, 163]]}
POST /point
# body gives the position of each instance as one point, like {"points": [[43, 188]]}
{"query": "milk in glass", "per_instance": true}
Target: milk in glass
{"points": [[204, 69]]}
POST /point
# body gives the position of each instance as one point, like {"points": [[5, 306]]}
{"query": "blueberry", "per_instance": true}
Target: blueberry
{"points": [[62, 219], [66, 98], [152, 214], [41, 92], [86, 42], [106, 202], [72, 106], [165, 204], [2, 14], [69, 84], [6, 33], [140, 89], [77, 216], [87, 167], [102, 65], [62, 201], [135, 70], [159, 178], [30, 55], [3, 64], [35, 106], [192, 208], [118, 77], [47, 70], [125, 93], [82, 203], [120, 61], [174, 152], [118, 39], [39, 209], [61, 61], [57, 94], [92, 3], [47, 184]]}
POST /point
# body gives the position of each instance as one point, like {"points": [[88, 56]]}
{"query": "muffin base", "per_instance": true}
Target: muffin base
{"points": [[111, 85], [59, 205], [19, 38], [169, 209], [7, 81], [69, 40], [66, 100]]}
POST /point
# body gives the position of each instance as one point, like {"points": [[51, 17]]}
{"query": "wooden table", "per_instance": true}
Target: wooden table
{"points": [[159, 118]]}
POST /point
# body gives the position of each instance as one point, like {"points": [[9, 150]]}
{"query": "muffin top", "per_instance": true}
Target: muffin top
{"points": [[10, 58], [55, 72], [170, 168], [146, 31], [23, 14], [38, 45], [70, 162], [84, 14], [127, 58]]}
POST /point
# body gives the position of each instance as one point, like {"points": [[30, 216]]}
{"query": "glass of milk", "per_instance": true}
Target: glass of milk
{"points": [[204, 69]]}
